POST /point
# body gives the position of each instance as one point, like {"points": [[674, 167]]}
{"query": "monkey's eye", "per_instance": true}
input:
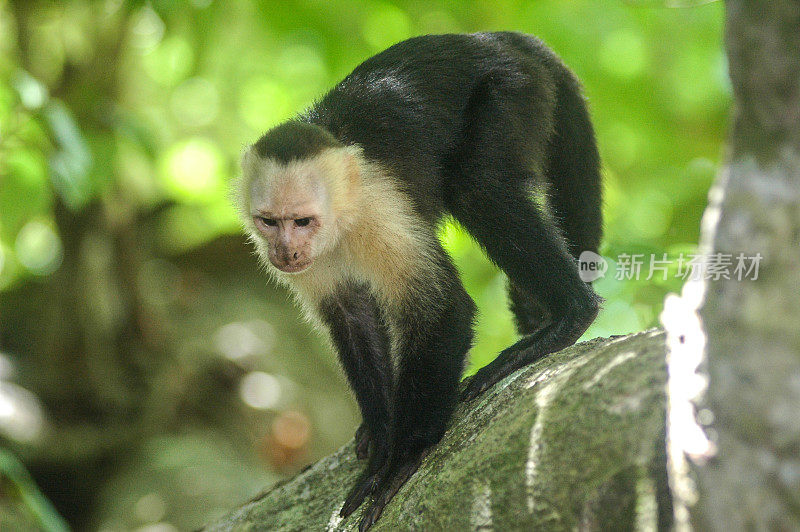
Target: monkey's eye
{"points": [[271, 222], [302, 222]]}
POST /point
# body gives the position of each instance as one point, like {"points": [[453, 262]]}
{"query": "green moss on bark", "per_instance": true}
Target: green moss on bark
{"points": [[571, 441]]}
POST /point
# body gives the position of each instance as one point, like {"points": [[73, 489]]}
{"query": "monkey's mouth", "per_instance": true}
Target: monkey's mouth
{"points": [[294, 268]]}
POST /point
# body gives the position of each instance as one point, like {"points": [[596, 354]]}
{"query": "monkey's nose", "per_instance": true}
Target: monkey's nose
{"points": [[288, 260]]}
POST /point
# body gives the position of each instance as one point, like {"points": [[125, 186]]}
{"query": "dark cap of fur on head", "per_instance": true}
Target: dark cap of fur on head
{"points": [[294, 140]]}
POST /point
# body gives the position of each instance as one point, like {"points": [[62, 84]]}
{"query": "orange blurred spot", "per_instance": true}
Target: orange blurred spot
{"points": [[286, 445]]}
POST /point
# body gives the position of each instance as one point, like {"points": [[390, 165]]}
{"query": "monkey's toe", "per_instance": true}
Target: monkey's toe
{"points": [[364, 487], [475, 386]]}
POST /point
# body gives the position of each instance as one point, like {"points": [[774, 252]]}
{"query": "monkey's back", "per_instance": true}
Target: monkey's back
{"points": [[409, 105]]}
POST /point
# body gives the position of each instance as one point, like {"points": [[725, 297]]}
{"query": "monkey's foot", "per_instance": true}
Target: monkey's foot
{"points": [[477, 384], [362, 442], [387, 488], [376, 469]]}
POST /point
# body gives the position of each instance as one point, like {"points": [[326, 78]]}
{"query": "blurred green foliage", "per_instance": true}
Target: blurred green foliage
{"points": [[197, 80], [22, 506]]}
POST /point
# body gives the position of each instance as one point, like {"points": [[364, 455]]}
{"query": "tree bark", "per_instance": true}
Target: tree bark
{"points": [[749, 478], [575, 441]]}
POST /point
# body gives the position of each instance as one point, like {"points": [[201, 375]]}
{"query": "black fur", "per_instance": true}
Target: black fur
{"points": [[431, 359], [294, 140], [468, 124], [362, 341]]}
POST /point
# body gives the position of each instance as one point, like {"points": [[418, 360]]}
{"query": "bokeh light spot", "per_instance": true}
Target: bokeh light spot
{"points": [[386, 25], [21, 415], [236, 341], [302, 63], [438, 21], [192, 170], [170, 61], [650, 214], [32, 93], [263, 102], [7, 370], [195, 102], [696, 87], [148, 29], [623, 144], [39, 248], [623, 54], [260, 390], [291, 429], [150, 508]]}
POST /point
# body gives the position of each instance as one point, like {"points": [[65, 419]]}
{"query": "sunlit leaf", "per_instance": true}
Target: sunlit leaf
{"points": [[14, 473]]}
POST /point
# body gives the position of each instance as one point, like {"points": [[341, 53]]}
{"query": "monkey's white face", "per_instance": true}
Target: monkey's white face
{"points": [[290, 211], [289, 239], [289, 219]]}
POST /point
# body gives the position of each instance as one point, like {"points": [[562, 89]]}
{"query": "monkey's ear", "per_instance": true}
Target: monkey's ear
{"points": [[248, 159], [353, 156], [237, 194]]}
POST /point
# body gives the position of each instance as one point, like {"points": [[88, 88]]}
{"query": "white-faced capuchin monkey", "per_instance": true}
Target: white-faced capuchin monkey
{"points": [[343, 204]]}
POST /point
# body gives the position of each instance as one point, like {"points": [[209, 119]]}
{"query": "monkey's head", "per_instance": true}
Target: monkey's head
{"points": [[296, 194]]}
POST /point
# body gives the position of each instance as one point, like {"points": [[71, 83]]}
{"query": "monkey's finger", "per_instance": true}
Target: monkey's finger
{"points": [[389, 488], [370, 516], [382, 498]]}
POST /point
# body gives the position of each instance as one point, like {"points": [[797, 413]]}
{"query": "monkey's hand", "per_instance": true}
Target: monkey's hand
{"points": [[369, 480], [389, 483], [362, 438], [364, 487]]}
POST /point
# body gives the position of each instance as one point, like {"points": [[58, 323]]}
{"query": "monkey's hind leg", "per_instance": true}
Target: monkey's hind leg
{"points": [[505, 144], [534, 256], [529, 314], [573, 194]]}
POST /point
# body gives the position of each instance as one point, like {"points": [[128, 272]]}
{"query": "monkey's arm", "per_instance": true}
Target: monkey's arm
{"points": [[362, 343], [434, 339]]}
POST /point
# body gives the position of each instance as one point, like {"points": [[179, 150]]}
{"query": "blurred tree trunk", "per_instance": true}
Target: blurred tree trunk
{"points": [[89, 340], [753, 326]]}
